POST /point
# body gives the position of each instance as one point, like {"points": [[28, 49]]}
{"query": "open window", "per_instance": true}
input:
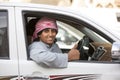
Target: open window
{"points": [[71, 30]]}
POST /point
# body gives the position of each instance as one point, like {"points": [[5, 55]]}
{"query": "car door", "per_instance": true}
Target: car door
{"points": [[82, 26], [8, 46]]}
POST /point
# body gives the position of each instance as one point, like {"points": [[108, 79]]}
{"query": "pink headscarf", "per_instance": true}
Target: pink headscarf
{"points": [[44, 23]]}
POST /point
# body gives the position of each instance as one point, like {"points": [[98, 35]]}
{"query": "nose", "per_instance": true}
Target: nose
{"points": [[50, 32]]}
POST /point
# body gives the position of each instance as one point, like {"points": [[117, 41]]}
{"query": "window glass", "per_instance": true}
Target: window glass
{"points": [[65, 37], [4, 47]]}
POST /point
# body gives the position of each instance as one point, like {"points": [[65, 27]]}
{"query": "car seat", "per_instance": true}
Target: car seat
{"points": [[30, 29]]}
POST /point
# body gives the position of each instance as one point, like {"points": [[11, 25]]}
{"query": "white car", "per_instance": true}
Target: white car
{"points": [[15, 36]]}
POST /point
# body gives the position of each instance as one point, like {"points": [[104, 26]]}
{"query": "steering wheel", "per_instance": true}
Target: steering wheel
{"points": [[84, 42]]}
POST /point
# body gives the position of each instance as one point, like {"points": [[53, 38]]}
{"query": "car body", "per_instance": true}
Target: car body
{"points": [[15, 62]]}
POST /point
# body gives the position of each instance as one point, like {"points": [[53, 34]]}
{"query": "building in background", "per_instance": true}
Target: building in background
{"points": [[74, 3]]}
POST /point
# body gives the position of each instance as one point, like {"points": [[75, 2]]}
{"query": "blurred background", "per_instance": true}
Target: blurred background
{"points": [[74, 3]]}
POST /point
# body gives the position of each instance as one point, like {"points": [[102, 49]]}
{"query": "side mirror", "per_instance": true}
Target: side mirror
{"points": [[115, 51]]}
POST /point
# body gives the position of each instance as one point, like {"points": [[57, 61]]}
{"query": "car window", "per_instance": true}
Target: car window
{"points": [[4, 47], [66, 37], [71, 32]]}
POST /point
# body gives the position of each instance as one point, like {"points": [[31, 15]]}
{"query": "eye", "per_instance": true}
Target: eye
{"points": [[53, 30], [46, 30]]}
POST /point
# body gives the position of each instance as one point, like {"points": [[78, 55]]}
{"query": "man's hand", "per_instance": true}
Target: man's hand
{"points": [[73, 54]]}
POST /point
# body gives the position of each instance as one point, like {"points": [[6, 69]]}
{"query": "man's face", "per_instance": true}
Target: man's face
{"points": [[48, 36]]}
